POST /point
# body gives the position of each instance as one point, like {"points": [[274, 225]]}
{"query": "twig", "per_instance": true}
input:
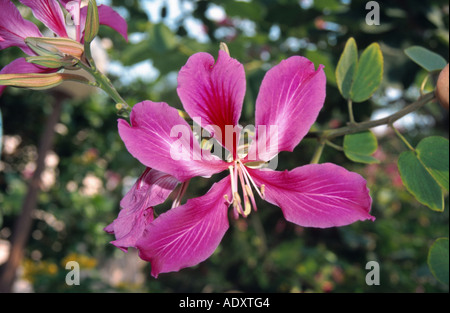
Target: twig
{"points": [[359, 127]]}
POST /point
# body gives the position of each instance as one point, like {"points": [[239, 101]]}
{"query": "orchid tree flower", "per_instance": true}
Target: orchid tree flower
{"points": [[18, 32], [290, 98]]}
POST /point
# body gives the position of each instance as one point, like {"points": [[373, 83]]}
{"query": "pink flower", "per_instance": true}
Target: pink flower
{"points": [[14, 29], [290, 98]]}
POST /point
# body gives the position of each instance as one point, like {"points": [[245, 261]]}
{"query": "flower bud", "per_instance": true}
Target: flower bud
{"points": [[92, 22], [38, 81], [52, 61], [442, 91], [57, 47]]}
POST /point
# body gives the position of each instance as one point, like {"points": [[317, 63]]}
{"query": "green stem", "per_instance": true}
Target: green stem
{"points": [[108, 87], [350, 111], [410, 147], [318, 153], [88, 54], [334, 146], [105, 84], [101, 79]]}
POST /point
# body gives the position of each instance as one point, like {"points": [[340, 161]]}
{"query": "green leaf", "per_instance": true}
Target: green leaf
{"points": [[419, 182], [425, 58], [434, 154], [359, 79], [438, 259], [346, 68], [135, 53], [250, 10], [162, 39], [360, 158], [360, 147], [369, 74], [330, 5]]}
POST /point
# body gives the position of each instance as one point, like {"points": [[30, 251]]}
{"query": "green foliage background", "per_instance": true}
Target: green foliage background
{"points": [[263, 253]]}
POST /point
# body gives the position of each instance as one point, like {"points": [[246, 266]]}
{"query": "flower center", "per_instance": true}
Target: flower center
{"points": [[239, 174]]}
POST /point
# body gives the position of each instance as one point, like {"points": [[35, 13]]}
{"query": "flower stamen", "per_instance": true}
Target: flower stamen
{"points": [[251, 196], [247, 206], [238, 173], [234, 190], [260, 192], [263, 191]]}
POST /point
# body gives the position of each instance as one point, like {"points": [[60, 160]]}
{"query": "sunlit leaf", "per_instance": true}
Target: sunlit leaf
{"points": [[369, 74], [346, 68], [419, 182], [358, 79], [427, 59], [438, 259], [360, 147]]}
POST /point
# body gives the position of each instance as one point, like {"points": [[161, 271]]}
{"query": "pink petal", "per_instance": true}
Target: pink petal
{"points": [[50, 13], [317, 195], [188, 234], [159, 138], [20, 66], [290, 98], [108, 17], [213, 92], [111, 18], [110, 228], [151, 189], [65, 3], [14, 28]]}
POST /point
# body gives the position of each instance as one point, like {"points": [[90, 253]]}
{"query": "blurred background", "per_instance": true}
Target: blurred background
{"points": [[87, 169]]}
